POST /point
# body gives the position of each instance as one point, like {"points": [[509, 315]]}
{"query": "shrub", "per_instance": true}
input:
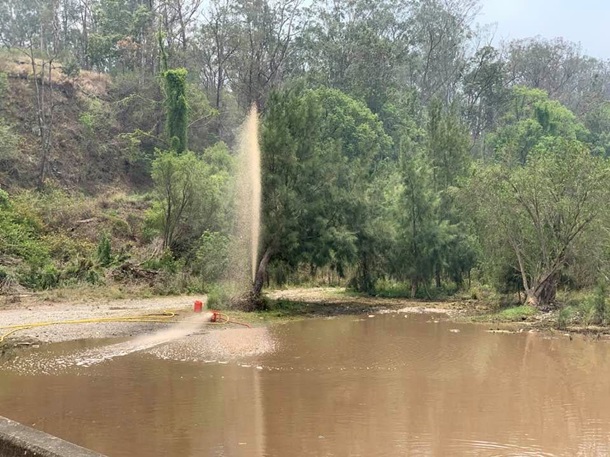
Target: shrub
{"points": [[3, 83], [594, 308], [104, 251], [212, 258], [71, 68], [20, 234], [564, 317], [40, 278], [218, 298]]}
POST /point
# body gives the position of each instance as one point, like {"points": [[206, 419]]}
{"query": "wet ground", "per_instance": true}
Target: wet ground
{"points": [[386, 385]]}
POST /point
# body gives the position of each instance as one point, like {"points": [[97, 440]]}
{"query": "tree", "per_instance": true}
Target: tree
{"points": [[358, 47], [485, 90], [320, 149], [540, 210], [597, 123], [176, 108], [559, 68], [266, 33], [176, 179], [191, 196], [531, 118]]}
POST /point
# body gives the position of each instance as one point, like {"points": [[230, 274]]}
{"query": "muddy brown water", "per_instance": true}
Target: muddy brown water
{"points": [[351, 386]]}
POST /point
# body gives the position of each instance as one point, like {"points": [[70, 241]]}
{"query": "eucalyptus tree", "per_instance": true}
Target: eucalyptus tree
{"points": [[560, 68], [216, 41], [359, 47], [441, 30], [267, 30], [486, 91]]}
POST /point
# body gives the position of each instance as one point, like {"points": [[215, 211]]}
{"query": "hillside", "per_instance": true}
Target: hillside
{"points": [[90, 195], [86, 152]]}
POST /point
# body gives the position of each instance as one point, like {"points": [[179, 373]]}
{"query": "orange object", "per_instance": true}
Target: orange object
{"points": [[215, 316], [198, 307]]}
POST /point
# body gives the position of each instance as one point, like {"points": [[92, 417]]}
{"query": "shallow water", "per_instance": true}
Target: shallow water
{"points": [[388, 385]]}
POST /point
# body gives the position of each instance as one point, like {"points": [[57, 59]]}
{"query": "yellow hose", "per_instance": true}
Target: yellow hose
{"points": [[163, 317]]}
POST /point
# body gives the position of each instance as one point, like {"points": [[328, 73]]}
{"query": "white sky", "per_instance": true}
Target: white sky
{"points": [[582, 21]]}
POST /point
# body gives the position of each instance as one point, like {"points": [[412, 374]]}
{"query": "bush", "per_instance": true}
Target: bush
{"points": [[212, 258], [81, 270], [3, 83], [594, 308], [104, 251], [40, 278], [20, 234], [71, 68], [565, 316], [166, 262], [218, 298]]}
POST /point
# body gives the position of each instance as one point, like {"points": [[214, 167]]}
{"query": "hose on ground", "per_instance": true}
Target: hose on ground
{"points": [[160, 318]]}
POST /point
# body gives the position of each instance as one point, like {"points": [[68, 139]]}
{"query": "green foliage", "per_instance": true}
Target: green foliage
{"points": [[532, 214], [191, 197], [531, 119], [20, 234], [70, 68], [598, 125], [594, 309], [218, 297], [40, 277], [564, 317], [81, 269], [319, 150], [177, 108], [3, 83], [212, 257], [9, 142], [104, 251], [517, 313]]}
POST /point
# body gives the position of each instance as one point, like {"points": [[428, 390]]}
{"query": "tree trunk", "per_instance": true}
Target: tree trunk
{"points": [[543, 294], [414, 287], [261, 272]]}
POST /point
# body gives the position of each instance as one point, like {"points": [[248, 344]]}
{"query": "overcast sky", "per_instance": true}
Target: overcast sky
{"points": [[583, 21]]}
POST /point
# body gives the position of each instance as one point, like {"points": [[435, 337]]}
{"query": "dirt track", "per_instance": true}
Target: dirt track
{"points": [[32, 312]]}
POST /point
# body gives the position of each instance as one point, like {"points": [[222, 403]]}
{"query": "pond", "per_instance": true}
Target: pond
{"points": [[389, 385]]}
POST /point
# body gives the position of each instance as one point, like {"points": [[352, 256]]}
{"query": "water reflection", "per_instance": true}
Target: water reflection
{"points": [[378, 386]]}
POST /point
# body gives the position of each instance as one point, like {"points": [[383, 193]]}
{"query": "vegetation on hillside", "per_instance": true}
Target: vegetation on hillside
{"points": [[401, 151]]}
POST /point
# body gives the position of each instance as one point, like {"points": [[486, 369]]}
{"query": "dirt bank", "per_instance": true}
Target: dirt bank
{"points": [[333, 300], [284, 305]]}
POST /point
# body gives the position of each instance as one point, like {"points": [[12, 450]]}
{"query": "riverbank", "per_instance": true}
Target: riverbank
{"points": [[104, 318]]}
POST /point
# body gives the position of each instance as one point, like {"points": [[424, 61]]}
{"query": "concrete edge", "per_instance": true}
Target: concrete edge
{"points": [[19, 440]]}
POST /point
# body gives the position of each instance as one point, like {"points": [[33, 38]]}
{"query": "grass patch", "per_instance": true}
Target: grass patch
{"points": [[517, 313], [511, 314]]}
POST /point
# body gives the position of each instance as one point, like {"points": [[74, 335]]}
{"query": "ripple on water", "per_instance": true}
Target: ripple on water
{"points": [[223, 345], [179, 343], [482, 447]]}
